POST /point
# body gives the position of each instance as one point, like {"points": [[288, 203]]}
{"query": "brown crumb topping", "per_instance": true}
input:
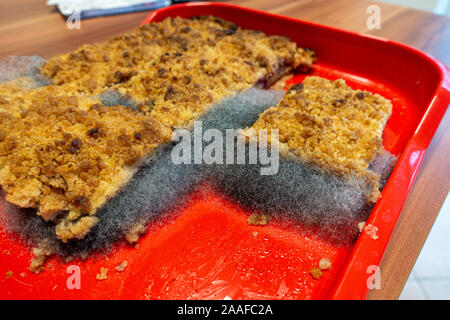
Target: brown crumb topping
{"points": [[184, 65], [8, 274]]}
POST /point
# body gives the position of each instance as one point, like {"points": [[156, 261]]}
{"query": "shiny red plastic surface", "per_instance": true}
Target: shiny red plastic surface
{"points": [[208, 251]]}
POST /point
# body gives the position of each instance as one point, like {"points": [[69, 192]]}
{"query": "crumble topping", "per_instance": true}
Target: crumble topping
{"points": [[17, 96], [177, 68]]}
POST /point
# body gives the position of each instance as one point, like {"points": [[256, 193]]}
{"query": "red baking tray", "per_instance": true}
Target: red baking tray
{"points": [[208, 251]]}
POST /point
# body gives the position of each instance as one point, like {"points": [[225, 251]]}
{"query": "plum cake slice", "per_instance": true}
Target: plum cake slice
{"points": [[334, 128]]}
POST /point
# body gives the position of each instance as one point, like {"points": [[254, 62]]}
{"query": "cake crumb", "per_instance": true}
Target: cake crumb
{"points": [[136, 246], [255, 234], [103, 274], [316, 273], [41, 253], [8, 274], [135, 233], [324, 264], [84, 255], [371, 231], [258, 219], [68, 259], [361, 226], [23, 274], [121, 266]]}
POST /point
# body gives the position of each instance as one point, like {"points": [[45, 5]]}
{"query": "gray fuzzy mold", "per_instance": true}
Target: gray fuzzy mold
{"points": [[112, 98], [23, 66], [319, 203]]}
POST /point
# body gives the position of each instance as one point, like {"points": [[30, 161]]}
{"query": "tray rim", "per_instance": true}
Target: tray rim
{"points": [[367, 251]]}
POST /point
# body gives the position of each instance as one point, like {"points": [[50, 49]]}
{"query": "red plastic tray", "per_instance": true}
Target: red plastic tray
{"points": [[209, 251]]}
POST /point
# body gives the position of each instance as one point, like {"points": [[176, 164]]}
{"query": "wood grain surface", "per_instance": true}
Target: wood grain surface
{"points": [[30, 27]]}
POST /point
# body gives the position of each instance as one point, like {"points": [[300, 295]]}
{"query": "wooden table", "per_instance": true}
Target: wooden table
{"points": [[30, 27]]}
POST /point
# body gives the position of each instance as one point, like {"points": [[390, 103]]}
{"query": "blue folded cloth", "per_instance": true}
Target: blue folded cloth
{"points": [[94, 8]]}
